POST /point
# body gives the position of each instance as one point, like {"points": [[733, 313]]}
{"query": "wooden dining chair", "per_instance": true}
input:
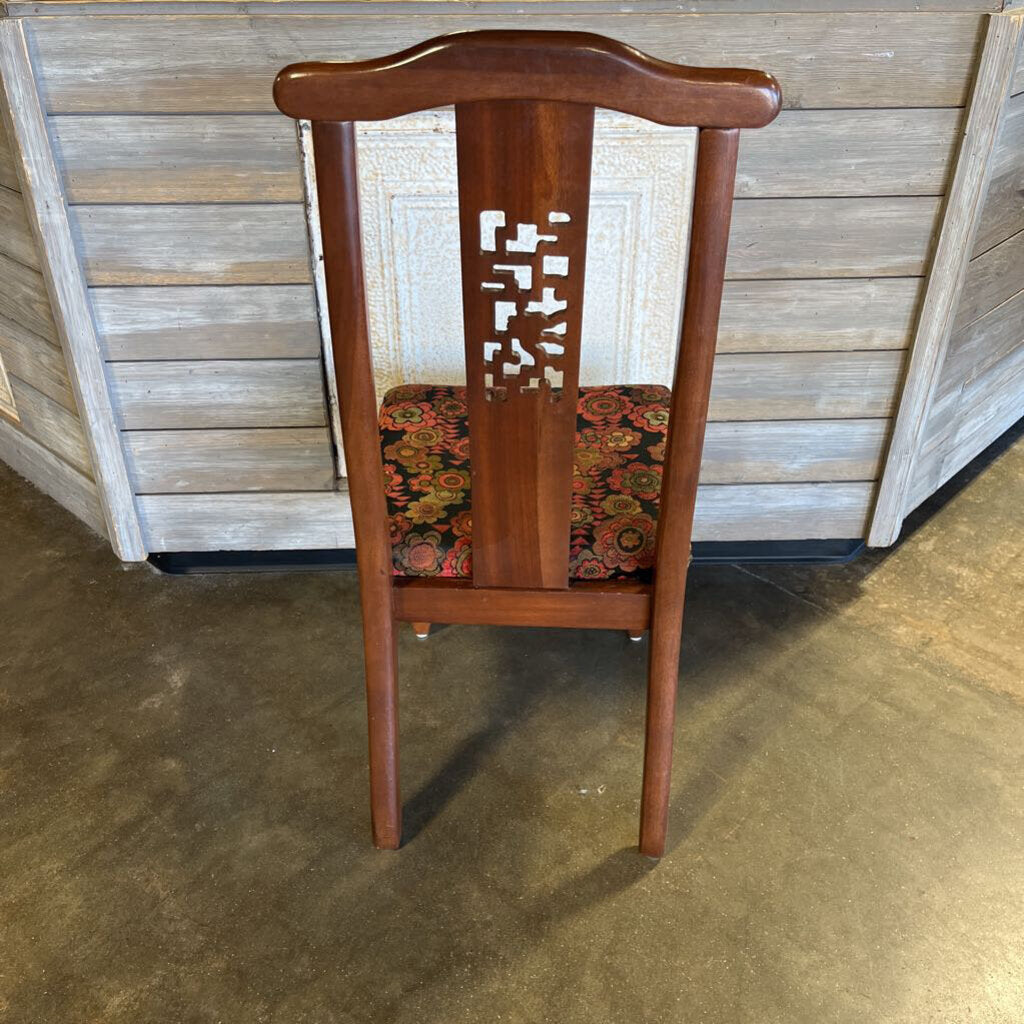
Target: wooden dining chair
{"points": [[523, 499]]}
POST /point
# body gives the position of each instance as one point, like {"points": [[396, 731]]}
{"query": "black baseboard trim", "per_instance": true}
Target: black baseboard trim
{"points": [[183, 563]]}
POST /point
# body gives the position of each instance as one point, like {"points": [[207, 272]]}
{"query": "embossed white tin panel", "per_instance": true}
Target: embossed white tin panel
{"points": [[641, 195]]}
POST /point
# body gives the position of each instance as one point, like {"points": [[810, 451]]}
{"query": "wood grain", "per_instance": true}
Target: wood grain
{"points": [[251, 158], [266, 522], [818, 315], [23, 298], [210, 461], [864, 237], [52, 475], [242, 322], [47, 215], [36, 361], [1003, 212], [8, 170], [16, 239], [949, 273], [161, 64], [52, 425], [805, 385], [230, 158], [207, 244], [991, 279], [200, 245], [849, 153], [793, 451], [217, 393], [982, 343]]}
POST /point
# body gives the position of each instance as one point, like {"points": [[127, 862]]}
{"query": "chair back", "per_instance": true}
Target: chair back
{"points": [[524, 107]]}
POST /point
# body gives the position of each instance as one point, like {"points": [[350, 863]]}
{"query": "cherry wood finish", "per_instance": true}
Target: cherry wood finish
{"points": [[524, 117], [609, 604], [527, 160]]}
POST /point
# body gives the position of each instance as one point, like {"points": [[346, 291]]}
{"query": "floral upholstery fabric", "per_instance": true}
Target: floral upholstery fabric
{"points": [[620, 448]]}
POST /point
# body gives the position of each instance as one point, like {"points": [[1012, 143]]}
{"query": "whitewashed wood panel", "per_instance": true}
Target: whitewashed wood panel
{"points": [[1003, 212], [36, 361], [263, 522], [266, 244], [791, 450], [201, 245], [52, 475], [8, 170], [212, 461], [263, 393], [25, 8], [864, 237], [209, 461], [849, 153], [52, 425], [818, 315], [221, 158], [983, 343], [154, 64], [991, 279], [217, 393], [805, 385], [16, 238], [968, 420], [252, 158], [243, 322], [279, 321], [23, 299]]}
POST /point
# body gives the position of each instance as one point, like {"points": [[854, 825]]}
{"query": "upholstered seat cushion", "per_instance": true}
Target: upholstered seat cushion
{"points": [[620, 448]]}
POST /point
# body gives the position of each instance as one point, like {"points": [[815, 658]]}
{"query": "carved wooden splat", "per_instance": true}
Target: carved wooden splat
{"points": [[524, 355]]}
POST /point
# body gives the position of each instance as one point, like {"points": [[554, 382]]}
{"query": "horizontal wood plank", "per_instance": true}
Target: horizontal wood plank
{"points": [[818, 315], [805, 385], [967, 421], [52, 425], [992, 278], [793, 451], [983, 343], [209, 461], [8, 170], [200, 245], [267, 244], [16, 238], [162, 64], [866, 237], [37, 362], [24, 299], [52, 475], [217, 393], [849, 153], [252, 158], [243, 322], [279, 393], [262, 522], [1003, 212]]}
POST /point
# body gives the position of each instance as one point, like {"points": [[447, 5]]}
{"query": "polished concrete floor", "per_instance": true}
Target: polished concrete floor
{"points": [[183, 820]]}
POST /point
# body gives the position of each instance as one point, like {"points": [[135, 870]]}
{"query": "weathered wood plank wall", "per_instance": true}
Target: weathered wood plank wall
{"points": [[45, 443], [980, 387], [186, 204]]}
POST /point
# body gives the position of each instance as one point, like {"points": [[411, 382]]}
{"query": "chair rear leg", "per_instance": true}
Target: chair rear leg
{"points": [[379, 642], [662, 679]]}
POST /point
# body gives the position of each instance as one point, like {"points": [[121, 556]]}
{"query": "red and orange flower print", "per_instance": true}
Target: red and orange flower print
{"points": [[620, 448]]}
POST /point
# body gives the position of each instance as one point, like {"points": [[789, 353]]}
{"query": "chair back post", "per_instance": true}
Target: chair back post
{"points": [[715, 178], [334, 149]]}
